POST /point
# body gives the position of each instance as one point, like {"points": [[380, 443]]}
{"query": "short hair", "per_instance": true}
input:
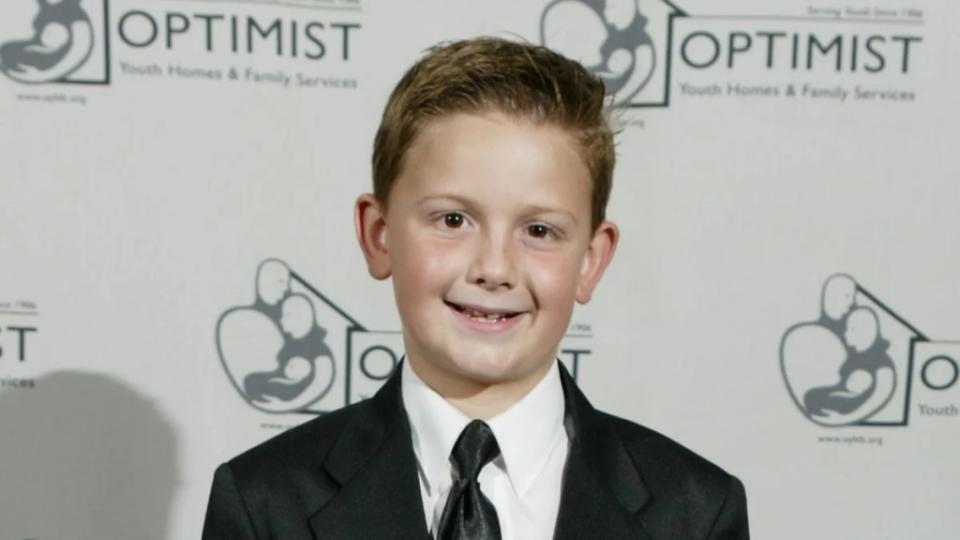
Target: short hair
{"points": [[492, 74]]}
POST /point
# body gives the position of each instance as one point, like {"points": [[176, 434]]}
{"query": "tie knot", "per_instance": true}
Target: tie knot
{"points": [[475, 447]]}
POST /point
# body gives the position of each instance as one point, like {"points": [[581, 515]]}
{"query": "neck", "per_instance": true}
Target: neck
{"points": [[478, 399]]}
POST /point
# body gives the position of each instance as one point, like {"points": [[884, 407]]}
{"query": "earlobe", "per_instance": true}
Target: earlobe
{"points": [[371, 227], [596, 259]]}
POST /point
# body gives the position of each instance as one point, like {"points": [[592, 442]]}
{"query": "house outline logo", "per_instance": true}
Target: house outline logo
{"points": [[280, 352], [68, 35], [859, 362], [629, 48]]}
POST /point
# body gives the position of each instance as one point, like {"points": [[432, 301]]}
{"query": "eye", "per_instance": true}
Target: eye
{"points": [[453, 220], [539, 230]]}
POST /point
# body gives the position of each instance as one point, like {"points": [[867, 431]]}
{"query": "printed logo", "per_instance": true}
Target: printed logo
{"points": [[292, 350], [274, 350], [856, 363], [69, 43], [626, 47], [819, 54]]}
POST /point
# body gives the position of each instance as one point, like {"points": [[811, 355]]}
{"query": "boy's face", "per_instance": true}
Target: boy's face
{"points": [[488, 239]]}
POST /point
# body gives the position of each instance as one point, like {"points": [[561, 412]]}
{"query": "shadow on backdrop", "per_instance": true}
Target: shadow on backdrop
{"points": [[83, 456]]}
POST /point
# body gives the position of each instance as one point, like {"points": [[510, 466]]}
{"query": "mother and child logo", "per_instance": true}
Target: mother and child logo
{"points": [[61, 43], [839, 369], [273, 350], [611, 38]]}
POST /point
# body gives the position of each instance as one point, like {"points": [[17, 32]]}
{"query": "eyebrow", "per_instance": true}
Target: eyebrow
{"points": [[470, 205], [457, 198]]}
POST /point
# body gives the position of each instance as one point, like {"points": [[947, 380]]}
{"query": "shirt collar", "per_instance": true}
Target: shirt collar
{"points": [[526, 432], [435, 425]]}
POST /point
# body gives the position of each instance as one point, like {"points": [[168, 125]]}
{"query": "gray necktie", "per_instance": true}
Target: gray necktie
{"points": [[468, 513]]}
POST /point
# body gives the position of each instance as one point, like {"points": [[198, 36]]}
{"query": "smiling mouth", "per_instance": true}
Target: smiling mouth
{"points": [[480, 315]]}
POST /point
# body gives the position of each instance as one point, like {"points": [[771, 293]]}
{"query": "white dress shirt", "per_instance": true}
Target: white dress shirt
{"points": [[523, 483]]}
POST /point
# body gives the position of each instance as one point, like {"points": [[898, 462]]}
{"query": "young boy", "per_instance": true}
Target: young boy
{"points": [[492, 169]]}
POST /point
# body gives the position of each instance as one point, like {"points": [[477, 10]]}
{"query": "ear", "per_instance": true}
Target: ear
{"points": [[370, 222], [595, 260]]}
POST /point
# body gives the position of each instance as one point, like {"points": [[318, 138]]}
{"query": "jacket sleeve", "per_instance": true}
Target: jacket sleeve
{"points": [[731, 521], [227, 514]]}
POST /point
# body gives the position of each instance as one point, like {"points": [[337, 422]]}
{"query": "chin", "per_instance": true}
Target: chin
{"points": [[493, 368]]}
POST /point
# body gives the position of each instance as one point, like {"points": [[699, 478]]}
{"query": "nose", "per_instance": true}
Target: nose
{"points": [[494, 263]]}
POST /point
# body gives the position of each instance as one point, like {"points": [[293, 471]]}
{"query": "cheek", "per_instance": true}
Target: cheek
{"points": [[425, 265], [553, 279]]}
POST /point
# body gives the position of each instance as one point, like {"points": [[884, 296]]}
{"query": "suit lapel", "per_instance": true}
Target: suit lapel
{"points": [[379, 492], [603, 492], [374, 465]]}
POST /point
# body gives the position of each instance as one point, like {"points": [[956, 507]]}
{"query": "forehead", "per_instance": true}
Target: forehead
{"points": [[492, 156]]}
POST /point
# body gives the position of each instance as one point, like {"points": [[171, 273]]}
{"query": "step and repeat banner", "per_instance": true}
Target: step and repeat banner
{"points": [[179, 278]]}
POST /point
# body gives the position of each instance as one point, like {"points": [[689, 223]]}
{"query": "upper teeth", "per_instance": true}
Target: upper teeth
{"points": [[486, 316]]}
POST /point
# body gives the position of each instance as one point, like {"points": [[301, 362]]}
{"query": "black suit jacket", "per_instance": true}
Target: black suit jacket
{"points": [[353, 474]]}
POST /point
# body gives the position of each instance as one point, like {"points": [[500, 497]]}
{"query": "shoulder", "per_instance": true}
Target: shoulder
{"points": [[663, 460], [679, 478], [295, 455], [688, 490], [277, 484]]}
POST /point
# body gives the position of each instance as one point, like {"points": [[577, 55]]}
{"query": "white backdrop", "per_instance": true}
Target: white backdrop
{"points": [[144, 183]]}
